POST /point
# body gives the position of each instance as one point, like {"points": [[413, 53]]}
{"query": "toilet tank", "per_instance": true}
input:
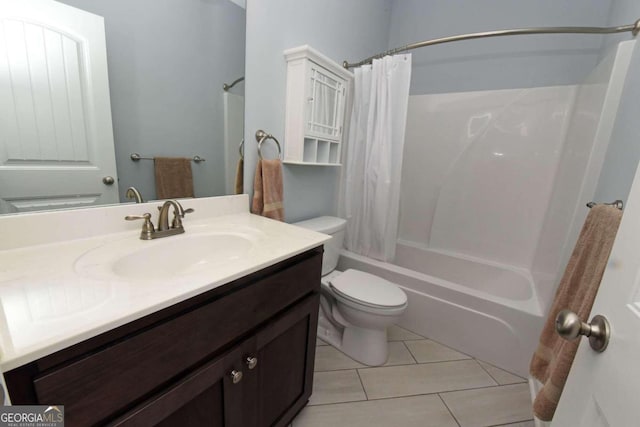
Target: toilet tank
{"points": [[328, 225]]}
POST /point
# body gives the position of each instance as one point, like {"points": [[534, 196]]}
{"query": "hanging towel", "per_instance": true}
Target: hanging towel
{"points": [[239, 176], [577, 290], [267, 189], [173, 177]]}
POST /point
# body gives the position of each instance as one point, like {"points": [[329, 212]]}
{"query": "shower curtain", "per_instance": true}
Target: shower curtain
{"points": [[374, 156]]}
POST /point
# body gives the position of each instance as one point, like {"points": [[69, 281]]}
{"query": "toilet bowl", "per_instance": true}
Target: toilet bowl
{"points": [[356, 308]]}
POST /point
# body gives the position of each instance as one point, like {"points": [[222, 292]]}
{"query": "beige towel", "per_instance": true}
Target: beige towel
{"points": [[267, 189], [173, 177], [577, 290], [240, 177]]}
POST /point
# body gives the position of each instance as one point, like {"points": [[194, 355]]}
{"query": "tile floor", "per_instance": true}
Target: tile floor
{"points": [[423, 384]]}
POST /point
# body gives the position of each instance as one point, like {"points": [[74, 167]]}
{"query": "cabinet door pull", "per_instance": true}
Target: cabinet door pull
{"points": [[236, 376], [251, 362]]}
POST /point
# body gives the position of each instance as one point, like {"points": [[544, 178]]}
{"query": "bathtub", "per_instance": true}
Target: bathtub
{"points": [[486, 310]]}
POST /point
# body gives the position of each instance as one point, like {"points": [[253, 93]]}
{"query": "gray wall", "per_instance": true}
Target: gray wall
{"points": [[499, 63], [167, 62], [623, 154], [339, 29]]}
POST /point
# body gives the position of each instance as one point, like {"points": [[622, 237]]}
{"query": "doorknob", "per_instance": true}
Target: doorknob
{"points": [[108, 180], [569, 326]]}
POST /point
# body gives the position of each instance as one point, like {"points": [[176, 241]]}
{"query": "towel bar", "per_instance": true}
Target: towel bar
{"points": [[617, 203], [137, 157], [262, 136]]}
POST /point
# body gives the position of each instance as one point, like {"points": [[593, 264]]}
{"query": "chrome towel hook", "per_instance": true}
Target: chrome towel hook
{"points": [[262, 136]]}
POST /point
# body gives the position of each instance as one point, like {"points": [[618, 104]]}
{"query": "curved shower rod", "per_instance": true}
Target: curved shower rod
{"points": [[226, 87], [633, 28]]}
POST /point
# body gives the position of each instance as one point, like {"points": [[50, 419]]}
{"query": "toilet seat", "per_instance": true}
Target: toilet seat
{"points": [[367, 292]]}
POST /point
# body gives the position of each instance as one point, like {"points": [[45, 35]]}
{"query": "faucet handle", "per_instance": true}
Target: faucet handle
{"points": [[147, 228], [179, 214], [145, 216], [182, 211]]}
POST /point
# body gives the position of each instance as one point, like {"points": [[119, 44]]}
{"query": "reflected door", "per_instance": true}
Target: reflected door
{"points": [[56, 137]]}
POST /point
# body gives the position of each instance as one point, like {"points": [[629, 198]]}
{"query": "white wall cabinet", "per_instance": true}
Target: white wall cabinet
{"points": [[316, 97]]}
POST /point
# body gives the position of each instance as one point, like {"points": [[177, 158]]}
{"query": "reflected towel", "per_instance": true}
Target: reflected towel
{"points": [[267, 190], [577, 290], [173, 177], [239, 176]]}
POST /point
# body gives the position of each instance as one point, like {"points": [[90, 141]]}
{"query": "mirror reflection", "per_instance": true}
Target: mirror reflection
{"points": [[98, 96]]}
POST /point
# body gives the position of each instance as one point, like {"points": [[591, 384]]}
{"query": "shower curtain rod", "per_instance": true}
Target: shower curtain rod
{"points": [[226, 87], [633, 28]]}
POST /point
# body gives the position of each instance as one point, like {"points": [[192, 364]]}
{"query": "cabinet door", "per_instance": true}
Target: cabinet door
{"points": [[286, 353], [207, 397], [325, 93]]}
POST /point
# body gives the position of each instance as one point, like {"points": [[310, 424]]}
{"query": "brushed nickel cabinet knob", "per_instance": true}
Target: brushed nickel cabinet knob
{"points": [[251, 362], [236, 376]]}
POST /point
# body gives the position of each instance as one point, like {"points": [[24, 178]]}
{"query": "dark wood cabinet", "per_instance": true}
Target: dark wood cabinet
{"points": [[240, 355], [286, 352]]}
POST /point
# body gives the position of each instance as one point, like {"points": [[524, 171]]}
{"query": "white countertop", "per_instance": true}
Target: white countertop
{"points": [[48, 303]]}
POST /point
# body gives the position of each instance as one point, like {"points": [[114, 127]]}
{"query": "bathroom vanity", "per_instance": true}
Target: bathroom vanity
{"points": [[236, 349]]}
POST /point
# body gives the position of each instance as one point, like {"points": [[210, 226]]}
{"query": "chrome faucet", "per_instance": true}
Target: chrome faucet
{"points": [[149, 232], [133, 193]]}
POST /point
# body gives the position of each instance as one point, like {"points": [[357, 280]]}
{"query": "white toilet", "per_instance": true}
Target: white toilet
{"points": [[355, 307]]}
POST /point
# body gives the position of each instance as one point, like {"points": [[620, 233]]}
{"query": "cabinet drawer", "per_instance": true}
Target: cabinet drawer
{"points": [[101, 384]]}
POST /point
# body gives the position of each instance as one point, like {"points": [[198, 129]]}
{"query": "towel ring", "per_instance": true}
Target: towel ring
{"points": [[262, 136]]}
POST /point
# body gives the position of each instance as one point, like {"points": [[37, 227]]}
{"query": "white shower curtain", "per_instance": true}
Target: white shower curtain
{"points": [[374, 156]]}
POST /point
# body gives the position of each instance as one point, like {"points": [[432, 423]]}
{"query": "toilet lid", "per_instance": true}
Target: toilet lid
{"points": [[368, 289]]}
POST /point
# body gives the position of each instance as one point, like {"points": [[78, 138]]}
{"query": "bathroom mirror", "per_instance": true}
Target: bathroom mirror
{"points": [[166, 63]]}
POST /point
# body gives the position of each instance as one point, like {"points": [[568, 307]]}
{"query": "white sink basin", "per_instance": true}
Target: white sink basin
{"points": [[164, 258]]}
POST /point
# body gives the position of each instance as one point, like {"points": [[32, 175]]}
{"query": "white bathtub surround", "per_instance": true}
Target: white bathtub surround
{"points": [[55, 290], [583, 153], [374, 156], [478, 170]]}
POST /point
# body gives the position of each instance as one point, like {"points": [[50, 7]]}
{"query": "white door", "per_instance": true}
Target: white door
{"points": [[56, 139], [603, 389]]}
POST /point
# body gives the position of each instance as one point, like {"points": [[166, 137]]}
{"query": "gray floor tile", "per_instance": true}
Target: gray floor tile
{"points": [[529, 423], [426, 351], [328, 358], [491, 406], [417, 411], [319, 342], [500, 375], [399, 355], [336, 387], [396, 381], [396, 333]]}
